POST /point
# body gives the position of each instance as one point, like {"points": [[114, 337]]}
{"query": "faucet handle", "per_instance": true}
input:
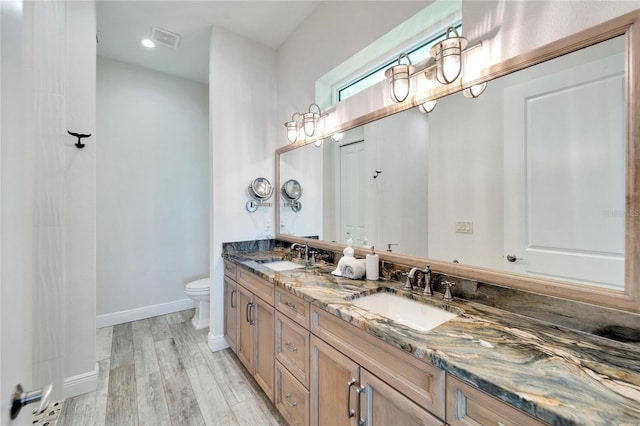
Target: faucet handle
{"points": [[447, 292], [312, 259]]}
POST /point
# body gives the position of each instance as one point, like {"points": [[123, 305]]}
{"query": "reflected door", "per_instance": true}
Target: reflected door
{"points": [[351, 193], [564, 169]]}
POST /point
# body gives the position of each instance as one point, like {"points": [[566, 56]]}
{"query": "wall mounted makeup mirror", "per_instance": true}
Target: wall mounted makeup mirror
{"points": [[260, 190], [291, 192], [541, 169]]}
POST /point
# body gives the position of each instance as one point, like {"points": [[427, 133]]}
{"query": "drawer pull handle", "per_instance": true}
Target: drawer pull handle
{"points": [[250, 308], [233, 293], [291, 404], [291, 347], [359, 391], [291, 306], [350, 412]]}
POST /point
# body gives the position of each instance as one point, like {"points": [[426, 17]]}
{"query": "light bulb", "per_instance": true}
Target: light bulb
{"points": [[475, 90], [428, 106]]}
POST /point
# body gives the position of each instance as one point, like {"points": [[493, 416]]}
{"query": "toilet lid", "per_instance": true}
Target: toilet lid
{"points": [[199, 285]]}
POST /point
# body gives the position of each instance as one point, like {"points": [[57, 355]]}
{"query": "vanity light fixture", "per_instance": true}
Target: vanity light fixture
{"points": [[292, 128], [428, 106], [310, 120], [337, 137], [400, 78], [475, 90], [448, 56]]}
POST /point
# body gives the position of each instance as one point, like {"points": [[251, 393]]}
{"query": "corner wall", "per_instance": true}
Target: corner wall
{"points": [[242, 87], [80, 201], [152, 191]]}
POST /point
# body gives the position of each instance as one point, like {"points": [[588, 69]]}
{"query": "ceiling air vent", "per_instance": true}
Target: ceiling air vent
{"points": [[166, 38]]}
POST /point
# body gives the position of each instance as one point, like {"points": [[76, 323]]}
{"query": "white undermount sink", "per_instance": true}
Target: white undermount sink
{"points": [[405, 311], [282, 265]]}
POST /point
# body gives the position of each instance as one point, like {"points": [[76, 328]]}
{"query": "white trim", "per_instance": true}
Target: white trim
{"points": [[216, 343], [82, 383], [121, 317]]}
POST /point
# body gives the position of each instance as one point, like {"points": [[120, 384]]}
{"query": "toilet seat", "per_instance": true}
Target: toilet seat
{"points": [[199, 286]]}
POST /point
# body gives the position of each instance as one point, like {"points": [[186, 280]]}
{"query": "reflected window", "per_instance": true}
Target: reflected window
{"points": [[417, 54]]}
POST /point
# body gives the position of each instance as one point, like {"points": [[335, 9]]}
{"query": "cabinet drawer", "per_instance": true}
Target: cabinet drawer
{"points": [[292, 348], [230, 270], [261, 288], [293, 306], [421, 382], [292, 399], [467, 405]]}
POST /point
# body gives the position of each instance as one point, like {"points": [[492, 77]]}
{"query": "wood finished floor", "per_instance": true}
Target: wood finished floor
{"points": [[160, 371]]}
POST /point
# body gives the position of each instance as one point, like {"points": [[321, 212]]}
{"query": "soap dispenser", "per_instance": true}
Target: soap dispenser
{"points": [[348, 251], [373, 263]]}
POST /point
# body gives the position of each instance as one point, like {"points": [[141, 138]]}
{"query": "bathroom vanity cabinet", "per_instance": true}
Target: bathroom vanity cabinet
{"points": [[292, 358], [249, 313], [231, 312], [318, 369], [384, 381]]}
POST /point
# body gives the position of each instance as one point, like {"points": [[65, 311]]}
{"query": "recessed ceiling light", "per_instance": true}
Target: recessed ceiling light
{"points": [[148, 43]]}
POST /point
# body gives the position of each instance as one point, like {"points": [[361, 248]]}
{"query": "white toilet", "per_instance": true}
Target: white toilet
{"points": [[199, 291]]}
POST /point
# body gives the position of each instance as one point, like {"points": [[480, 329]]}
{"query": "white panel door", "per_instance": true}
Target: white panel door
{"points": [[564, 170], [351, 194], [15, 218]]}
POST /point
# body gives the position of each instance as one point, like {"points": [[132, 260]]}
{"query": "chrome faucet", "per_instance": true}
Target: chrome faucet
{"points": [[426, 276], [301, 247]]}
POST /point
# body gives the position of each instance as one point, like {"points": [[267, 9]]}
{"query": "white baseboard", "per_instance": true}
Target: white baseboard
{"points": [[216, 343], [121, 317], [82, 383]]}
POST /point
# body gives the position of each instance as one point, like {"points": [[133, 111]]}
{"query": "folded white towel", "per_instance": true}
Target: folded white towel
{"points": [[338, 271], [354, 268]]}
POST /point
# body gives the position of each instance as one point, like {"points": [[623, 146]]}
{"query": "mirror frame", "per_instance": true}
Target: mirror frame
{"points": [[627, 299]]}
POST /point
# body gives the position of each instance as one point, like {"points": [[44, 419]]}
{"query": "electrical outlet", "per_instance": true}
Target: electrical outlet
{"points": [[464, 227]]}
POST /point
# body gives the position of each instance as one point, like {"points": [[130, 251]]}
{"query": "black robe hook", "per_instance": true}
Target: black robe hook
{"points": [[80, 136]]}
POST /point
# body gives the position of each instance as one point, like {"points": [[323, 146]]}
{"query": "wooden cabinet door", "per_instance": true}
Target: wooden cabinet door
{"points": [[469, 406], [247, 317], [334, 379], [382, 405], [231, 313], [264, 315]]}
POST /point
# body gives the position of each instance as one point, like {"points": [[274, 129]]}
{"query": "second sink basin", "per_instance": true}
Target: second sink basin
{"points": [[405, 311], [282, 265]]}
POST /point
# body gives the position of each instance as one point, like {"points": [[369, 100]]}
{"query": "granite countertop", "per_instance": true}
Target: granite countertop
{"points": [[556, 374]]}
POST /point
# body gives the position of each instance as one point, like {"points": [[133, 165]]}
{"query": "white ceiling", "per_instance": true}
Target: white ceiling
{"points": [[123, 24]]}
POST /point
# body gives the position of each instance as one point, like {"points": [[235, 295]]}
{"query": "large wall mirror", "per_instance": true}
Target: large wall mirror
{"points": [[530, 185]]}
